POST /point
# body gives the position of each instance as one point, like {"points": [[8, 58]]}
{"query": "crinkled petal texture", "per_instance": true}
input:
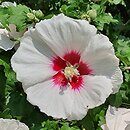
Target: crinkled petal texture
{"points": [[66, 68], [12, 124], [117, 119], [5, 42]]}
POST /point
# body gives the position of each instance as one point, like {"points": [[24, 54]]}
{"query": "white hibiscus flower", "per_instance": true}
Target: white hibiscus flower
{"points": [[66, 68], [12, 124], [5, 42], [8, 4], [5, 37], [117, 119]]}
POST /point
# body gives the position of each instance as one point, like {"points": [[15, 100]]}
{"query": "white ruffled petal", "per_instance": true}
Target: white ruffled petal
{"points": [[66, 103], [99, 55], [127, 127], [8, 4], [117, 118], [31, 65], [12, 124], [63, 34], [5, 42], [52, 99], [117, 79], [104, 127], [93, 93]]}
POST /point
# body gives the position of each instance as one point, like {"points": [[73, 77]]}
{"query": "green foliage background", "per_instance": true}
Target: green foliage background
{"points": [[111, 17]]}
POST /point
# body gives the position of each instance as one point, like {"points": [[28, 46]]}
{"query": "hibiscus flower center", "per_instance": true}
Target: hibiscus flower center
{"points": [[70, 70]]}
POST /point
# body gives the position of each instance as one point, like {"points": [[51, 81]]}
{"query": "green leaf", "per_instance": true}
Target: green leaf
{"points": [[123, 49], [67, 127], [2, 87], [14, 15], [37, 119], [115, 99], [5, 113], [88, 122], [4, 16], [9, 73], [18, 105], [50, 125], [18, 16], [104, 18]]}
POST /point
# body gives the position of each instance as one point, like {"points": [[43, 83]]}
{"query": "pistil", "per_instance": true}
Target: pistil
{"points": [[70, 71]]}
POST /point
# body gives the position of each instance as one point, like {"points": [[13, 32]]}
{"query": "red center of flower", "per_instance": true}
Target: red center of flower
{"points": [[70, 70]]}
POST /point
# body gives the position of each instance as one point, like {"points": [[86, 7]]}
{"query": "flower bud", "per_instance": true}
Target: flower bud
{"points": [[92, 14], [86, 17], [31, 16], [39, 14]]}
